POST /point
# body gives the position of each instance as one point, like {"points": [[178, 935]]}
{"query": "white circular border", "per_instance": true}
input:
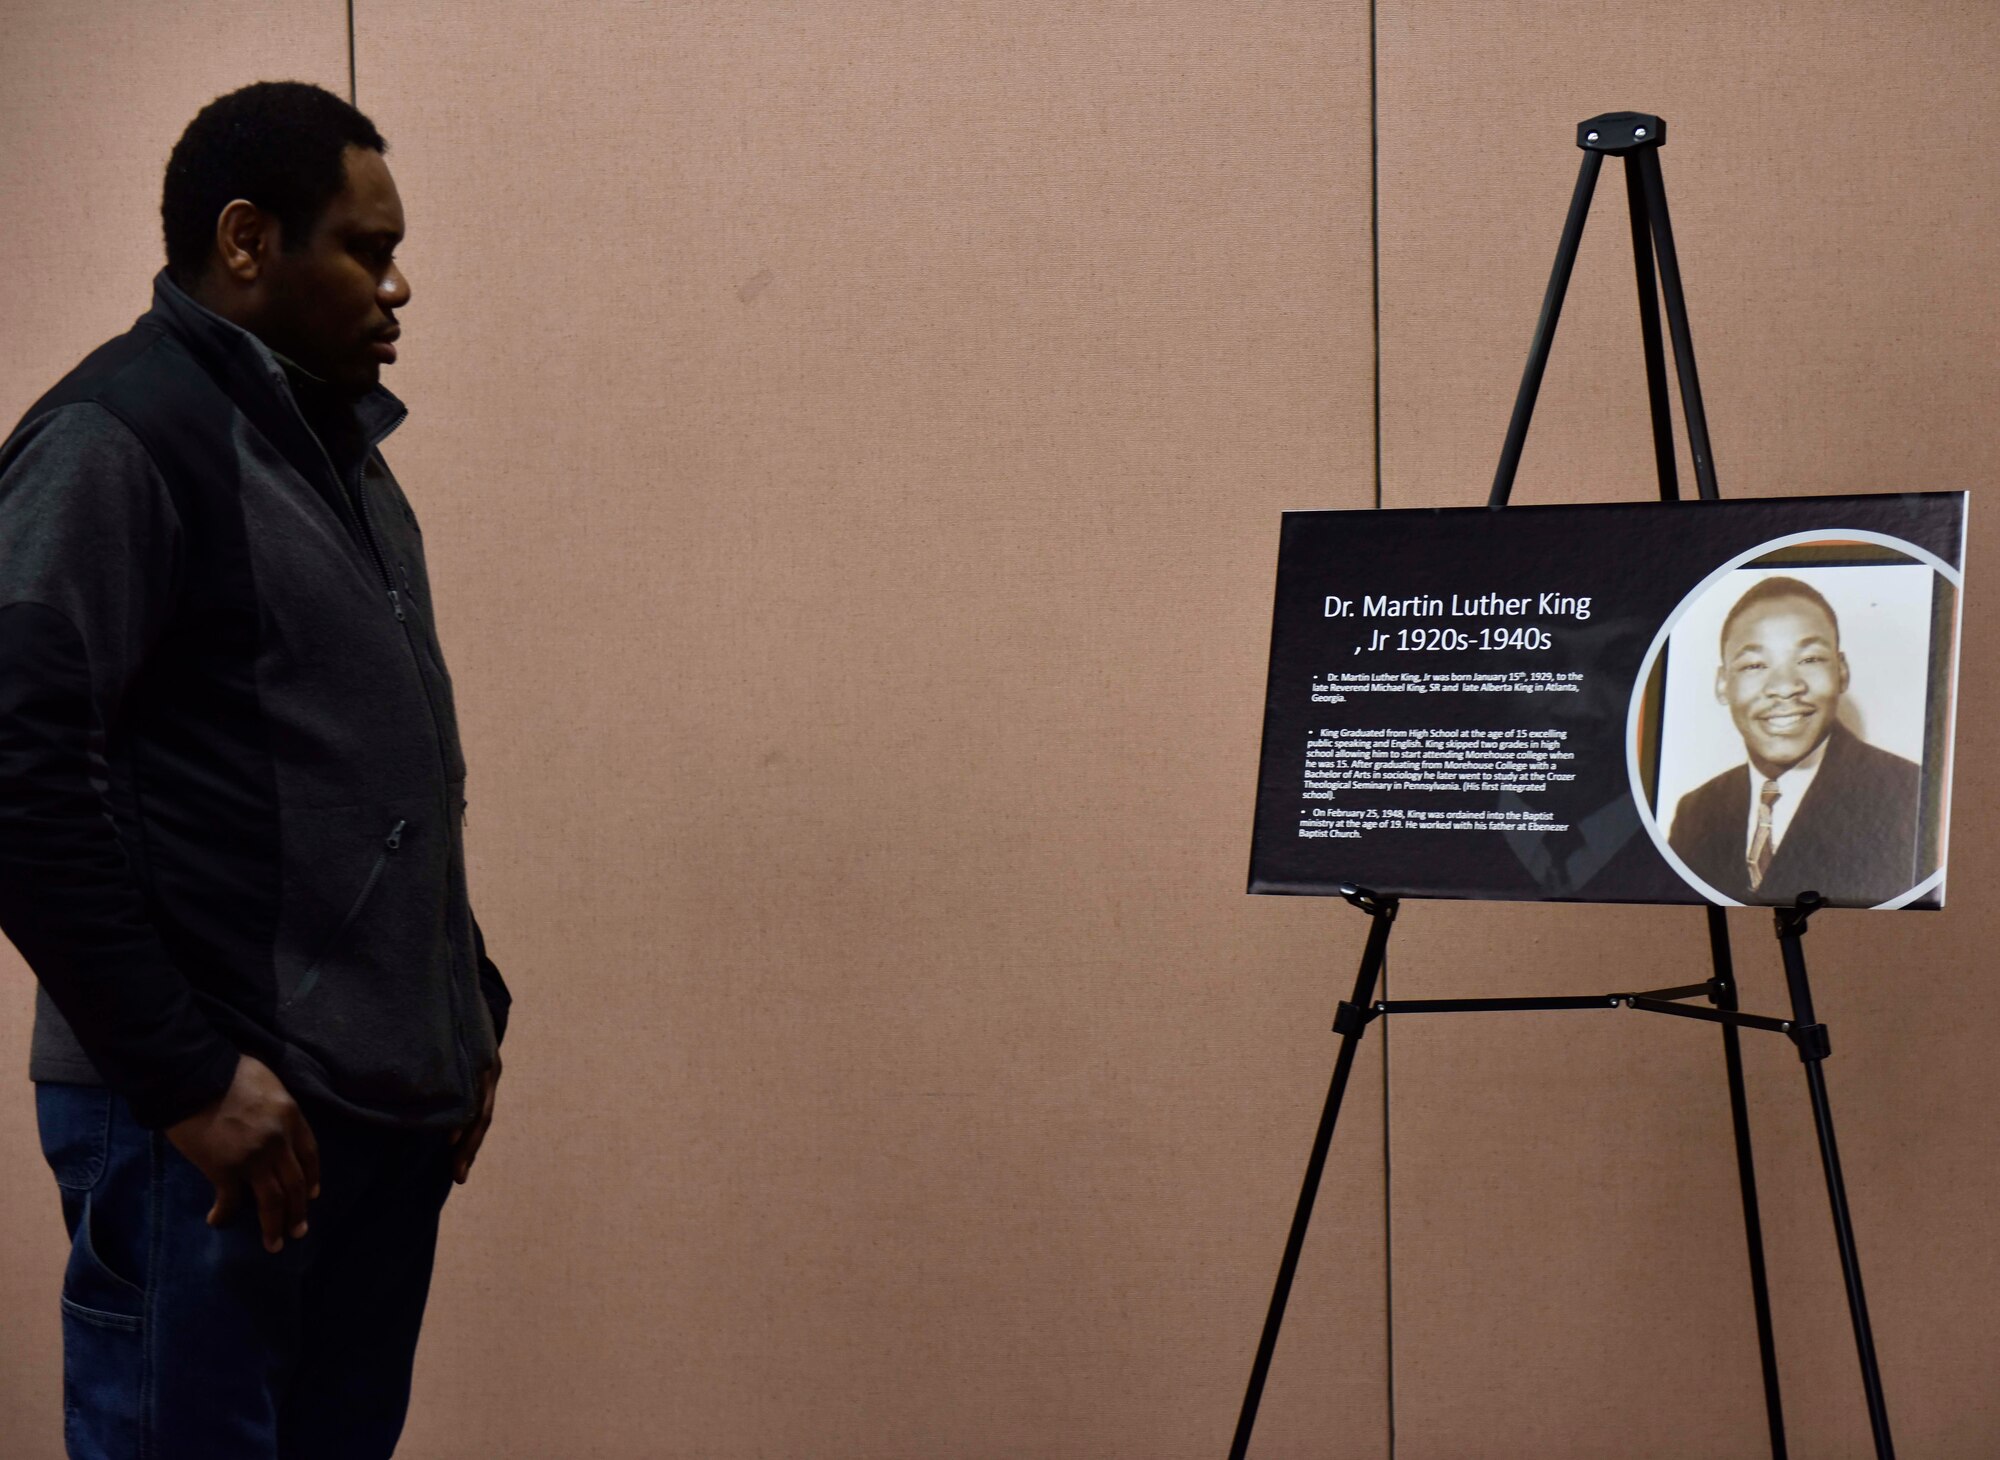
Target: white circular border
{"points": [[1794, 539]]}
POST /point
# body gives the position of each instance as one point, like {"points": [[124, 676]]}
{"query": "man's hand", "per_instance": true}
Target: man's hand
{"points": [[255, 1135], [468, 1137]]}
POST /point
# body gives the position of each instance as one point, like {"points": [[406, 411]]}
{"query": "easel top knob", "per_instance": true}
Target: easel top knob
{"points": [[1620, 132]]}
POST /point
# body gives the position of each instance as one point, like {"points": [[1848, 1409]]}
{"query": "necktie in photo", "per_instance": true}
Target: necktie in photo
{"points": [[1759, 858]]}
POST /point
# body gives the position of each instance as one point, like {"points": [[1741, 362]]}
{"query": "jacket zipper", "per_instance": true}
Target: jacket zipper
{"points": [[390, 843], [356, 500], [359, 501]]}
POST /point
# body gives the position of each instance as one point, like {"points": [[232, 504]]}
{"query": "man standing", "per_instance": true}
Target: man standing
{"points": [[231, 807], [1816, 808]]}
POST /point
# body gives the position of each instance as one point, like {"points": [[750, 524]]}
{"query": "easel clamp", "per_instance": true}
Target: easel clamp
{"points": [[1617, 133]]}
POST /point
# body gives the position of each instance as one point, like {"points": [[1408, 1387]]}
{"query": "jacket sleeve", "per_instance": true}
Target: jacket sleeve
{"points": [[498, 1000], [89, 549]]}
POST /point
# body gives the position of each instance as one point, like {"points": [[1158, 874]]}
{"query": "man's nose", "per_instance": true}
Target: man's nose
{"points": [[395, 288]]}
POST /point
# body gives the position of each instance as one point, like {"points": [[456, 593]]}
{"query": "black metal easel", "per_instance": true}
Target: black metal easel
{"points": [[1636, 137]]}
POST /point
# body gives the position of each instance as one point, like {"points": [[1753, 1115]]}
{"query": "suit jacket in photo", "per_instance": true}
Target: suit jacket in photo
{"points": [[1853, 838]]}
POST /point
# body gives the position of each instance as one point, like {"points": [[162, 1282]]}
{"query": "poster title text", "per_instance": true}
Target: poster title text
{"points": [[1485, 605]]}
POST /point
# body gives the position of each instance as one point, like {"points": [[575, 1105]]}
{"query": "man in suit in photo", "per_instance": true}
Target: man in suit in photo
{"points": [[1814, 808]]}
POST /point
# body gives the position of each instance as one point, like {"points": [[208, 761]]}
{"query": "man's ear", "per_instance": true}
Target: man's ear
{"points": [[245, 238], [1722, 685], [1843, 670]]}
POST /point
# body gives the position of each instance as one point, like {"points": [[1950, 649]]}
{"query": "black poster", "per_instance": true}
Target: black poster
{"points": [[1726, 702]]}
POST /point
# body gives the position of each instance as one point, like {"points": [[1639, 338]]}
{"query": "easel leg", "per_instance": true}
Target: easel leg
{"points": [[1648, 163], [1810, 1036], [1746, 1174], [1649, 334], [1349, 1022], [1545, 330]]}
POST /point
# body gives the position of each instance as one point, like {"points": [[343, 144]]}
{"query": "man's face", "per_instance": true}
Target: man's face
{"points": [[1782, 677], [331, 305]]}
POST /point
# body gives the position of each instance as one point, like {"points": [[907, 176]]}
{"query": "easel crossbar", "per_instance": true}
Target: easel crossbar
{"points": [[1661, 1001]]}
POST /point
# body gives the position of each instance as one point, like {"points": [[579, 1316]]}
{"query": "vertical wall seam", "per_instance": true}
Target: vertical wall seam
{"points": [[353, 94], [1375, 429], [1374, 254]]}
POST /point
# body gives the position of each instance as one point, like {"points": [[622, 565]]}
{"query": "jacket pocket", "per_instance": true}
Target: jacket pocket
{"points": [[391, 844], [365, 962]]}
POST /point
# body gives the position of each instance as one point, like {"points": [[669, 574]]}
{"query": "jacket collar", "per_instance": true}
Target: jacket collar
{"points": [[247, 370]]}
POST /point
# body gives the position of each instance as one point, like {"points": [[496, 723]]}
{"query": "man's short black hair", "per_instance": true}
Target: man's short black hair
{"points": [[1769, 588], [278, 144]]}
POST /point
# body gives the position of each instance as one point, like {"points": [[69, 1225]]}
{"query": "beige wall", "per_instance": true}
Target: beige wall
{"points": [[850, 440]]}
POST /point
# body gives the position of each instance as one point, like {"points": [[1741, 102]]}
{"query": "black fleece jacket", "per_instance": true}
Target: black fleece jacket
{"points": [[231, 788]]}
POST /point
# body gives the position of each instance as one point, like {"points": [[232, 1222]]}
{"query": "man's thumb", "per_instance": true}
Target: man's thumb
{"points": [[224, 1208]]}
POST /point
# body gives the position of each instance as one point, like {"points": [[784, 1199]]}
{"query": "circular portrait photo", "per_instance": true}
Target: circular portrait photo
{"points": [[1791, 727]]}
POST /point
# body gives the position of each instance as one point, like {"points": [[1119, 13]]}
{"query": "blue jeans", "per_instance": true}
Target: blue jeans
{"points": [[183, 1341]]}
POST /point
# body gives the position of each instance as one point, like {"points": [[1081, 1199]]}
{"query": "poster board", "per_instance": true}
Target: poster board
{"points": [[1724, 702]]}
